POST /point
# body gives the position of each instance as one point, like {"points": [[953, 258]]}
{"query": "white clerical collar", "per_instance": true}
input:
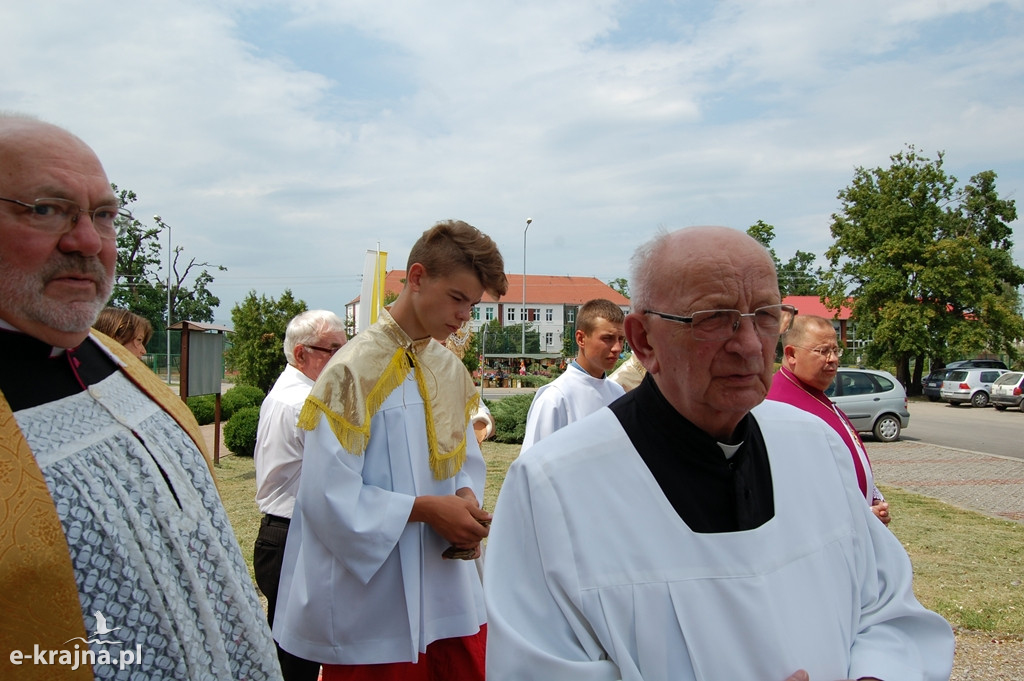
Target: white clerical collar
{"points": [[729, 450]]}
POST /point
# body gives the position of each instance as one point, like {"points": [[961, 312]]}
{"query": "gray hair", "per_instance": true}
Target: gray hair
{"points": [[306, 328], [643, 274], [647, 268]]}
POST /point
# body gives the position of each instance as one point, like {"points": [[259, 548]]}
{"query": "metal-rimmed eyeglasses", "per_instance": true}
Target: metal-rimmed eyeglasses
{"points": [[59, 216], [330, 351], [716, 325], [824, 352]]}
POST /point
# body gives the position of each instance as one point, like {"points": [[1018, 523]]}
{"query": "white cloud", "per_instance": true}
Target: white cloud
{"points": [[284, 139]]}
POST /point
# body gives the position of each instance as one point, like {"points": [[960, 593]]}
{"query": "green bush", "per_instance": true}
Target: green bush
{"points": [[240, 431], [238, 397], [203, 407], [534, 381], [510, 418]]}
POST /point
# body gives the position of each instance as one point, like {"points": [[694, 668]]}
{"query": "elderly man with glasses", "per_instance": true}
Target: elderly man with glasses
{"points": [[117, 558], [810, 360], [310, 340], [690, 530]]}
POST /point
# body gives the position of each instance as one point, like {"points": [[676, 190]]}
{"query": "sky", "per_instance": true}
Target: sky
{"points": [[283, 140]]}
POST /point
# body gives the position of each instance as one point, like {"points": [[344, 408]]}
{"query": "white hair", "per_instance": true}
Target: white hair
{"points": [[307, 328]]}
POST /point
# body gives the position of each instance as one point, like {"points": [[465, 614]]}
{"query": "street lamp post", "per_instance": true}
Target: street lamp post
{"points": [[483, 359], [523, 312], [168, 326]]}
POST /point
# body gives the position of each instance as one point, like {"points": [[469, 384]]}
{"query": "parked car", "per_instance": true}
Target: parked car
{"points": [[874, 401], [976, 364], [969, 385], [1008, 391], [931, 386]]}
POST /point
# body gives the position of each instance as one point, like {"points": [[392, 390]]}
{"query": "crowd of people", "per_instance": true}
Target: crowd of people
{"points": [[676, 525]]}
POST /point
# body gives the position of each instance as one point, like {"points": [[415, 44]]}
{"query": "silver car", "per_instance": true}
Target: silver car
{"points": [[1008, 391], [969, 385], [874, 401]]}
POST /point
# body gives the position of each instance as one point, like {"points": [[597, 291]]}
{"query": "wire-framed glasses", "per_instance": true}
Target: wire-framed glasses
{"points": [[824, 351], [329, 351], [715, 325], [59, 216]]}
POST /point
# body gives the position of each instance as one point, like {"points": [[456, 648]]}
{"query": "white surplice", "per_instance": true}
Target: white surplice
{"points": [[591, 574], [568, 398], [360, 583]]}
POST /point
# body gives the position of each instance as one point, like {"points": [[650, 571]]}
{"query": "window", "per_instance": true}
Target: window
{"points": [[510, 314], [549, 338], [476, 313], [549, 315], [570, 315], [522, 314], [489, 313]]}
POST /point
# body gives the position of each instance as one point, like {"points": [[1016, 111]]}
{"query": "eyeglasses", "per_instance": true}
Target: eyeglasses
{"points": [[824, 352], [59, 216], [715, 325], [329, 351]]}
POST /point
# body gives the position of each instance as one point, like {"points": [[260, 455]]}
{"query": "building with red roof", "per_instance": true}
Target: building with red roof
{"points": [[550, 305]]}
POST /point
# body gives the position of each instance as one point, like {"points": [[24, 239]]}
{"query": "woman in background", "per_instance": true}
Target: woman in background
{"points": [[127, 328]]}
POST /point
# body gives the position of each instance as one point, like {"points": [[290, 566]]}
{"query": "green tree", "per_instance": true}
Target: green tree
{"points": [[765, 235], [505, 339], [928, 266], [621, 285], [795, 276], [140, 287], [257, 345]]}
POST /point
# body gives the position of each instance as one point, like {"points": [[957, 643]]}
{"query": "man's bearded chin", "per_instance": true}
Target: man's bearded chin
{"points": [[67, 317]]}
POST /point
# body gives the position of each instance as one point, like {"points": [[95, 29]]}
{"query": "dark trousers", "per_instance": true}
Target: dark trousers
{"points": [[267, 557]]}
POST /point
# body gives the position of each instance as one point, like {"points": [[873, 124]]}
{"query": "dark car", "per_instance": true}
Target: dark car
{"points": [[976, 364], [932, 383]]}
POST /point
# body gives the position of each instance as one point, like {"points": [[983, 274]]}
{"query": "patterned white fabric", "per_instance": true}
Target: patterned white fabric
{"points": [[150, 542]]}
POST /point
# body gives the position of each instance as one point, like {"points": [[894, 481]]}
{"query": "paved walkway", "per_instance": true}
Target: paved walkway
{"points": [[990, 484]]}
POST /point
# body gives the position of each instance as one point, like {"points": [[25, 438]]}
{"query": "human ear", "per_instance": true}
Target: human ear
{"points": [[638, 338], [415, 276]]}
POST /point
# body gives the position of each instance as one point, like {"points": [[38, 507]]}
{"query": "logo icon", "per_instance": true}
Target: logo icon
{"points": [[102, 629]]}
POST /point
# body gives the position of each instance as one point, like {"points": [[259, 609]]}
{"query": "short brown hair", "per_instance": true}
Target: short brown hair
{"points": [[123, 325], [598, 308], [454, 244]]}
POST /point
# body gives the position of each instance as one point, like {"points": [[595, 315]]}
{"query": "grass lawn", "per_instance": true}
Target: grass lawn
{"points": [[967, 567]]}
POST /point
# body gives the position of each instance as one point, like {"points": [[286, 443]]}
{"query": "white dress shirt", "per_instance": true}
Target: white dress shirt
{"points": [[279, 443]]}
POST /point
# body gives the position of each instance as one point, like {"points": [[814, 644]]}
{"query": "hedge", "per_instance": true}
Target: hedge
{"points": [[240, 431]]}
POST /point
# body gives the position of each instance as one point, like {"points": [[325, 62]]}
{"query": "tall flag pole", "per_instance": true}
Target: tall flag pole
{"points": [[371, 297]]}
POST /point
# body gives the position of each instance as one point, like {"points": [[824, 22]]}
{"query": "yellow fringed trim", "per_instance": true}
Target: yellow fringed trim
{"points": [[443, 466], [352, 437], [355, 438]]}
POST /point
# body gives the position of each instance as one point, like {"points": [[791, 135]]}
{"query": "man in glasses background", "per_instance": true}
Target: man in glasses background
{"points": [[691, 530], [310, 340], [810, 361], [108, 509]]}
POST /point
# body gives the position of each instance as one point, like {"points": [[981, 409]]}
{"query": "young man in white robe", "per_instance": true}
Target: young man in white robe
{"points": [[583, 387], [391, 481], [691, 532], [116, 555]]}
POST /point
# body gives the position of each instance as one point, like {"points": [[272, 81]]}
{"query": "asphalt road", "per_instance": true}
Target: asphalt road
{"points": [[979, 430]]}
